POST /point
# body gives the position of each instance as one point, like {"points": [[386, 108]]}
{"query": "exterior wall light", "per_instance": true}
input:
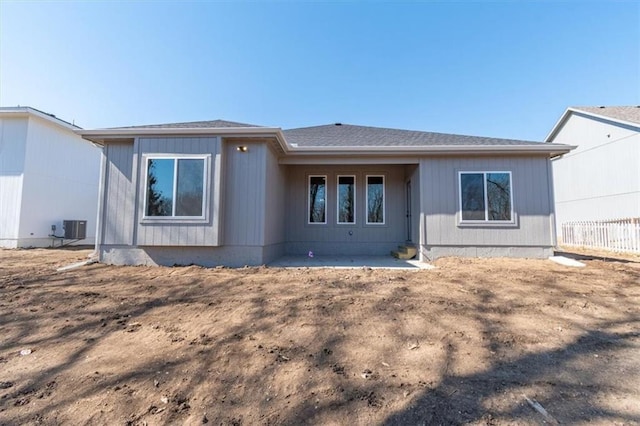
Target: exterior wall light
{"points": [[242, 148]]}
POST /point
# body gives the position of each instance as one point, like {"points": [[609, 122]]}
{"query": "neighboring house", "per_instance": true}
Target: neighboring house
{"points": [[48, 174], [600, 179], [225, 193]]}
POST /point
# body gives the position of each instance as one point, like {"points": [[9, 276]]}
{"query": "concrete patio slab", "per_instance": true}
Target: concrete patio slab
{"points": [[348, 262], [566, 261]]}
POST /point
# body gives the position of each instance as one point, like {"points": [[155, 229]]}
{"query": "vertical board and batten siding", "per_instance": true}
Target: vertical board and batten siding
{"points": [[600, 179], [119, 210], [333, 238], [275, 200], [244, 194], [532, 204], [150, 233]]}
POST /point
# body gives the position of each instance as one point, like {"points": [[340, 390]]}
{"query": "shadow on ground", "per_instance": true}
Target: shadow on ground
{"points": [[462, 344]]}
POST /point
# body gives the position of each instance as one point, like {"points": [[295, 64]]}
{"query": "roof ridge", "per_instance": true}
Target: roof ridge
{"points": [[407, 131], [196, 123]]}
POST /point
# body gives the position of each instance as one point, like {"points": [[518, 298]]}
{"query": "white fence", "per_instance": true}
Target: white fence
{"points": [[617, 235]]}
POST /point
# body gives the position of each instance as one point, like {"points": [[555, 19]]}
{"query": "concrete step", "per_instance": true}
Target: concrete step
{"points": [[408, 249], [405, 252]]}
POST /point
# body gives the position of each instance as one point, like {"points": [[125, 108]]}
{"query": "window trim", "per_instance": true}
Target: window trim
{"points": [[205, 187], [384, 200], [486, 220], [326, 188], [355, 192]]}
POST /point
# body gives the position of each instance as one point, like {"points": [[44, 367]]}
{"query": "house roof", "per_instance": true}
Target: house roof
{"points": [[23, 111], [625, 115], [343, 140], [216, 124], [347, 135], [629, 114]]}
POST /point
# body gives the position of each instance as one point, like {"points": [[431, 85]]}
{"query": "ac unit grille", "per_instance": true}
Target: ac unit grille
{"points": [[75, 229]]}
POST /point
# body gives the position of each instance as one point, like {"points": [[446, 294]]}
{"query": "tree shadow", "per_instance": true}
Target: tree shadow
{"points": [[269, 346]]}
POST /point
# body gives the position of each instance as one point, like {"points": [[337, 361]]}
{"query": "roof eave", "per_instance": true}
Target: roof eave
{"points": [[28, 111], [556, 128], [101, 136], [553, 150], [558, 125]]}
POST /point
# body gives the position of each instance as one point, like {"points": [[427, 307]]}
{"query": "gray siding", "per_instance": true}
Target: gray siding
{"points": [[531, 204], [275, 206], [243, 184], [333, 238], [118, 205], [157, 233], [244, 194]]}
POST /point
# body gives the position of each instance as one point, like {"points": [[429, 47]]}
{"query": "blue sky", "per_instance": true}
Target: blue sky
{"points": [[500, 68]]}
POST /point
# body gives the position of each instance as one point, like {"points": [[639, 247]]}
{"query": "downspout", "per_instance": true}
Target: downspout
{"points": [[101, 194], [552, 204]]}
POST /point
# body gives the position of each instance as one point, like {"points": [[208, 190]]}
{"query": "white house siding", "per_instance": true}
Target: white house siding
{"points": [[345, 239], [600, 179], [60, 182], [442, 234], [13, 134]]}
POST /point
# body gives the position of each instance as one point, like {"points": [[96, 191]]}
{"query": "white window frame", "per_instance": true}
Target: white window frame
{"points": [[205, 187], [486, 220], [355, 191], [326, 188], [384, 199]]}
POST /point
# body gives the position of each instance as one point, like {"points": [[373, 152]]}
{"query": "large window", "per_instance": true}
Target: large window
{"points": [[175, 187], [375, 199], [485, 196], [346, 199], [317, 199]]}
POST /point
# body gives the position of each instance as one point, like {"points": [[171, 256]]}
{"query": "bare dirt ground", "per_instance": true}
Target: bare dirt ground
{"points": [[460, 344]]}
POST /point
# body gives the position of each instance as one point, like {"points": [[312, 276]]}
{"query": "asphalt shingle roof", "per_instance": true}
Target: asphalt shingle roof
{"points": [[361, 136], [630, 114], [192, 125]]}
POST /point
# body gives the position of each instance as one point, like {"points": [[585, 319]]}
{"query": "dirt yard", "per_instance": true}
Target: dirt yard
{"points": [[466, 343]]}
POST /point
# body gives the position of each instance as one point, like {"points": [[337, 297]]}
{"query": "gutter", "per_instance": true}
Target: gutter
{"points": [[102, 136], [546, 148]]}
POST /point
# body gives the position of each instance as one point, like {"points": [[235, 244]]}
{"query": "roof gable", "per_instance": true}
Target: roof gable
{"points": [[623, 115], [25, 111]]}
